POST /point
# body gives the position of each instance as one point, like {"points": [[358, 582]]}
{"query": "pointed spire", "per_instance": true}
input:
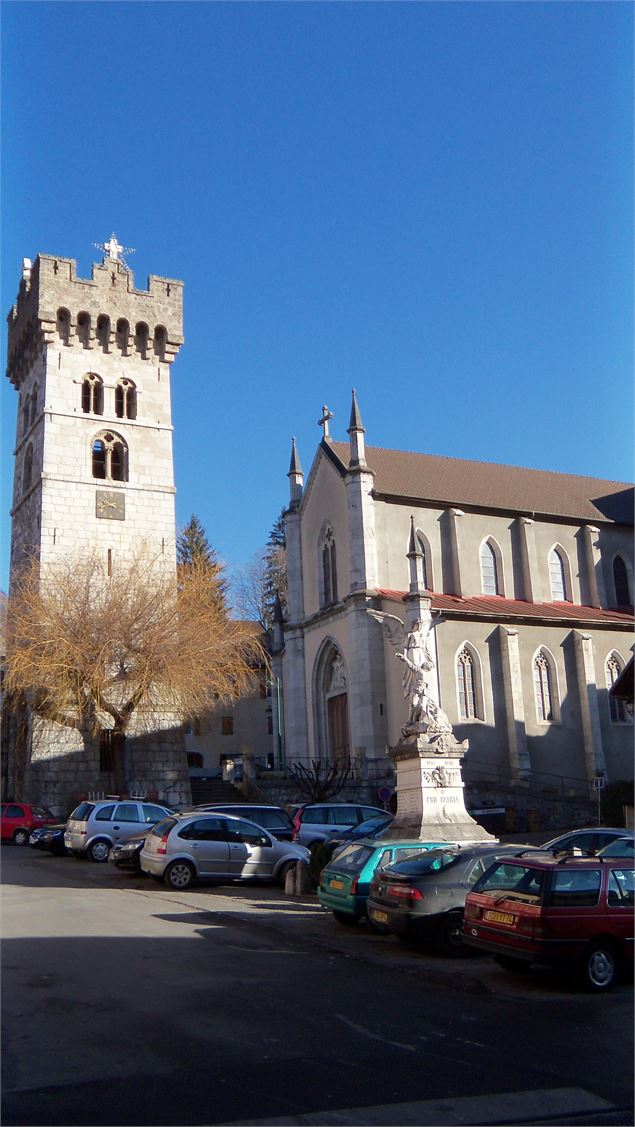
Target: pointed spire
{"points": [[296, 477], [356, 433], [356, 419]]}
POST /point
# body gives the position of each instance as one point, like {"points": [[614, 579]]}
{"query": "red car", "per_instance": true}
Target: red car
{"points": [[17, 819], [568, 910]]}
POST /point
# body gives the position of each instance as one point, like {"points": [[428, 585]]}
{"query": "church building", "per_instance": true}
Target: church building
{"points": [[531, 576]]}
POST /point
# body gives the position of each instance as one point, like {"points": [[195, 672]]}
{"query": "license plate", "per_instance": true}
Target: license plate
{"points": [[498, 917], [336, 884], [381, 917]]}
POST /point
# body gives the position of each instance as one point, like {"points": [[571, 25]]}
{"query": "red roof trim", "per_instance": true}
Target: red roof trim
{"points": [[498, 606]]}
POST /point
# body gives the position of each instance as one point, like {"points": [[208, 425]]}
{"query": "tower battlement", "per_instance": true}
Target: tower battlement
{"points": [[104, 311]]}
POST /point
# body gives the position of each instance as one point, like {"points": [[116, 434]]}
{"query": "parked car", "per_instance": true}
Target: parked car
{"points": [[126, 854], [49, 838], [185, 847], [590, 839], [318, 821], [572, 911], [345, 881], [371, 827], [272, 818], [423, 898], [94, 827], [17, 819]]}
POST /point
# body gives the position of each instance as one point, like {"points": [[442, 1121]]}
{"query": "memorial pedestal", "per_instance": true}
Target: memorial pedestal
{"points": [[430, 791]]}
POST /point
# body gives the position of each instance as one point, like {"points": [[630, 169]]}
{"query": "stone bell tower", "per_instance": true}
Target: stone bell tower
{"points": [[90, 360]]}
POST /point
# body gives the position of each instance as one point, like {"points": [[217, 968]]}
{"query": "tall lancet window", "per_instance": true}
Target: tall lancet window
{"points": [[466, 684], [425, 568], [617, 708], [490, 580], [544, 687], [329, 569], [620, 581], [557, 576]]}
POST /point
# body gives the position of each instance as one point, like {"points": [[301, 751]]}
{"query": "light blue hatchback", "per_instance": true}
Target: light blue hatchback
{"points": [[345, 881]]}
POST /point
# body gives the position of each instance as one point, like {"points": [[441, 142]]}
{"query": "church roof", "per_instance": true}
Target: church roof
{"points": [[432, 478], [501, 609]]}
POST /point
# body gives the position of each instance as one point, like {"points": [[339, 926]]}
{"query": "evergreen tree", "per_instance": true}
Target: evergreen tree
{"points": [[275, 570], [193, 550]]}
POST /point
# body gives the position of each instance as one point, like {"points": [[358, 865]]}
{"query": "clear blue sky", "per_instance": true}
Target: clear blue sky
{"points": [[429, 202]]}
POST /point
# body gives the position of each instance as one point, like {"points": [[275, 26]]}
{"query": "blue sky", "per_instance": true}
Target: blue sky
{"points": [[429, 202]]}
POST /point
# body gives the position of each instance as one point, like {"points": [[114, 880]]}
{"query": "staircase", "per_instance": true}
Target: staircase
{"points": [[214, 790]]}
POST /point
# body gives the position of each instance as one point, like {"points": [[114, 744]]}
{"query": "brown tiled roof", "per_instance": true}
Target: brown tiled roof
{"points": [[488, 485], [500, 608]]}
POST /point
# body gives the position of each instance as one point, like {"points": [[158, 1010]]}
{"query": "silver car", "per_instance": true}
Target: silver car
{"points": [[185, 847], [93, 827]]}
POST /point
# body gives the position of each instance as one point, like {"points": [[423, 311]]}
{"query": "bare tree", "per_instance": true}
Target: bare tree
{"points": [[91, 651], [264, 579], [320, 780]]}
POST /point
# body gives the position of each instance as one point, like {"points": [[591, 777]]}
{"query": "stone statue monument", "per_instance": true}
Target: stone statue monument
{"points": [[430, 795]]}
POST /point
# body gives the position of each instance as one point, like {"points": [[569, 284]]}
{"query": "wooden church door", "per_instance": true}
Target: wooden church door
{"points": [[338, 729]]}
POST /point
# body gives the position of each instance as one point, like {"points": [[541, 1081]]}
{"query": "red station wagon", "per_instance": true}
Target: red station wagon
{"points": [[17, 819], [573, 911]]}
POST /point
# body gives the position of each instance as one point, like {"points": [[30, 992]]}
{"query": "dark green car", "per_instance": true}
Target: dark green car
{"points": [[345, 881]]}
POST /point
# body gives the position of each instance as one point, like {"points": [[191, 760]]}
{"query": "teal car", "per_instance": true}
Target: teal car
{"points": [[345, 881]]}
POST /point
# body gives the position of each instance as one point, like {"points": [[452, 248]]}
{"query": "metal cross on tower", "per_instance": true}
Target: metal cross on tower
{"points": [[114, 251]]}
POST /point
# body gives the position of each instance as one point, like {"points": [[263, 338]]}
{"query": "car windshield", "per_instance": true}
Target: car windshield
{"points": [[517, 882], [369, 826], [163, 827], [352, 859], [622, 847], [430, 861], [42, 812]]}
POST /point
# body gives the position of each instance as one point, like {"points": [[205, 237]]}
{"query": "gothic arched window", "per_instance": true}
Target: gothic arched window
{"points": [[329, 569], [469, 684], [617, 708], [545, 687], [92, 395], [490, 571], [110, 457], [125, 399], [557, 576], [27, 468], [623, 596]]}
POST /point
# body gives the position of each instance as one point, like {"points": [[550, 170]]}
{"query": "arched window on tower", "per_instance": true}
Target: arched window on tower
{"points": [[33, 413], [110, 457], [328, 591], [557, 576], [92, 395], [27, 468], [64, 325], [623, 596], [123, 336], [490, 570], [83, 329], [160, 341], [103, 332], [141, 339], [617, 708], [547, 708], [125, 399]]}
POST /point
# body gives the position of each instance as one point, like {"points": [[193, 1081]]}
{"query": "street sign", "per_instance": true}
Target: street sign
{"points": [[598, 782], [385, 793]]}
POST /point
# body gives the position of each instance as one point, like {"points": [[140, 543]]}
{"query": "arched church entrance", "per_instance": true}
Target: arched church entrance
{"points": [[331, 698]]}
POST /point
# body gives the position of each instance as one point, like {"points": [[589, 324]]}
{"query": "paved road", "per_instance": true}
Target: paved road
{"points": [[125, 1004]]}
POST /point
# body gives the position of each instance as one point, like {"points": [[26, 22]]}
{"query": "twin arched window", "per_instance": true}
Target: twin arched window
{"points": [[328, 585], [92, 395], [125, 399], [110, 457]]}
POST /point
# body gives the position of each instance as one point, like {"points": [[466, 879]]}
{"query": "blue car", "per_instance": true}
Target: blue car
{"points": [[345, 881]]}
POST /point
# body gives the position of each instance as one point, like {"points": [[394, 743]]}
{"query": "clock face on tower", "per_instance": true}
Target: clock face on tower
{"points": [[110, 505]]}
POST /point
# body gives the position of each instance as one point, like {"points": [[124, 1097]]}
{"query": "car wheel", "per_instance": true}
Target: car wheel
{"points": [[348, 919], [284, 869], [98, 850], [21, 837], [516, 966], [179, 875], [448, 939], [600, 967]]}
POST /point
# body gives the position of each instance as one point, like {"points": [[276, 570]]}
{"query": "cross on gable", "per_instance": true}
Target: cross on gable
{"points": [[324, 420]]}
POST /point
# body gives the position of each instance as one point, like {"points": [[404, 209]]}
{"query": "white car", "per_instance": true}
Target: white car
{"points": [[94, 827], [185, 847]]}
